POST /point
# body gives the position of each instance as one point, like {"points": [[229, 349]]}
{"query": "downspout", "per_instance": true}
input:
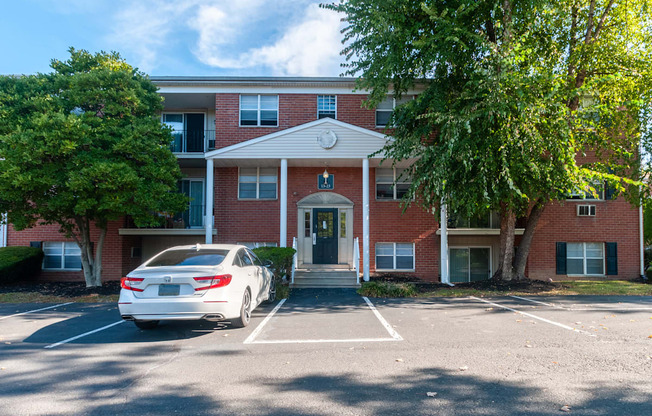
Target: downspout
{"points": [[5, 228], [641, 237]]}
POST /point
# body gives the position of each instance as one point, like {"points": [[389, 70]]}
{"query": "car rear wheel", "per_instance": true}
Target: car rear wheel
{"points": [[146, 324], [245, 311], [271, 295]]}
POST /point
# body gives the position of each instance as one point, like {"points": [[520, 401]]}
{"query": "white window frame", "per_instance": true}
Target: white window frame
{"points": [[324, 110], [63, 256], [393, 183], [258, 110], [403, 100], [582, 196], [414, 257], [584, 258], [491, 266], [258, 198]]}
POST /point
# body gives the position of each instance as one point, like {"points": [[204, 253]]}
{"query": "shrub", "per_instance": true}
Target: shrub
{"points": [[19, 263], [387, 290], [280, 257]]}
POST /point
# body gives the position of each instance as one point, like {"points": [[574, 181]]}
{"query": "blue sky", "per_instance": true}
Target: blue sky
{"points": [[176, 37]]}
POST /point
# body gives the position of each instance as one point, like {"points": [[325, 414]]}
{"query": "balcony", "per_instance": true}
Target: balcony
{"points": [[189, 222], [192, 141]]}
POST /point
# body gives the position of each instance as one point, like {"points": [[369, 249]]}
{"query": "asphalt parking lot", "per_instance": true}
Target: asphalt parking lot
{"points": [[325, 352]]}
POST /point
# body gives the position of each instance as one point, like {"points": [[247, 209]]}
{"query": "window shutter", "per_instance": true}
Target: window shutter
{"points": [[612, 258], [35, 244], [561, 258]]}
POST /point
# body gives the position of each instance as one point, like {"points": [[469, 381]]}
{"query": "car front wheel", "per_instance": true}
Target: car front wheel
{"points": [[245, 311], [271, 295]]}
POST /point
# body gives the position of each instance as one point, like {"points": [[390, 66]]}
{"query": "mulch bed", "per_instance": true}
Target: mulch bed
{"points": [[63, 289], [526, 286]]}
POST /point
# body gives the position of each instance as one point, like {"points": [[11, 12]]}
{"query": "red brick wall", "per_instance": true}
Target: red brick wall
{"points": [[258, 221], [294, 110], [112, 253], [615, 221]]}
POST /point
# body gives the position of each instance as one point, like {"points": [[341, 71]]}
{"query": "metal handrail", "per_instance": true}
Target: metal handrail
{"points": [[356, 259], [192, 141], [295, 258]]}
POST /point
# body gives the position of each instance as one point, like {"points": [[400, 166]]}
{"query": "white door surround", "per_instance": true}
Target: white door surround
{"points": [[344, 228]]}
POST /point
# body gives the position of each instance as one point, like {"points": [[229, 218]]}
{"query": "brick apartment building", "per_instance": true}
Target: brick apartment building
{"points": [[285, 161]]}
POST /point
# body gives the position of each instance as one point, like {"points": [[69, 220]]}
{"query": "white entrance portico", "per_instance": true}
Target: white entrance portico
{"points": [[324, 143]]}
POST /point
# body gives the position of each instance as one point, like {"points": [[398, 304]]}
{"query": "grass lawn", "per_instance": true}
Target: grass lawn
{"points": [[36, 297]]}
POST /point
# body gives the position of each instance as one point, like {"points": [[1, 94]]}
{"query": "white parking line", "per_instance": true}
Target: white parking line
{"points": [[394, 335], [259, 328], [65, 341], [539, 302], [382, 320], [594, 308], [534, 316], [36, 310]]}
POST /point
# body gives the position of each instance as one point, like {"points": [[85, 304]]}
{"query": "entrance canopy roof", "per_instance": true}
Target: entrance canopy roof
{"points": [[325, 141]]}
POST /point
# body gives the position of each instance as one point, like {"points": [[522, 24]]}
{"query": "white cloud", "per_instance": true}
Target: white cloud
{"points": [[309, 47], [285, 37]]}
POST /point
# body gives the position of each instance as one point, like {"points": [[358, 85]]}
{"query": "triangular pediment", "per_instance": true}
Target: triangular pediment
{"points": [[320, 139]]}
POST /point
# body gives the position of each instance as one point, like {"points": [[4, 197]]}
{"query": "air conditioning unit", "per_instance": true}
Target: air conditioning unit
{"points": [[586, 210]]}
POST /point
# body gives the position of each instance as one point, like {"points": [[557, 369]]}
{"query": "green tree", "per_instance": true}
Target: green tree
{"points": [[521, 103], [82, 146]]}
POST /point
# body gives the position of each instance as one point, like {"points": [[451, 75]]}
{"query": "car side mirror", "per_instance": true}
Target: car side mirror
{"points": [[267, 263]]}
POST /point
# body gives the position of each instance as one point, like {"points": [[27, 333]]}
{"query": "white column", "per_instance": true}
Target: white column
{"points": [[284, 203], [208, 219], [365, 220], [443, 228]]}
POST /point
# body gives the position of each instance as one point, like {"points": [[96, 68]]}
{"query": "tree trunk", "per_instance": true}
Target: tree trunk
{"points": [[91, 265], [526, 242], [507, 225]]}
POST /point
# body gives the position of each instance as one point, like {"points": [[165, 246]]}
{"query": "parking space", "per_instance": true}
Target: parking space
{"points": [[335, 352], [324, 315]]}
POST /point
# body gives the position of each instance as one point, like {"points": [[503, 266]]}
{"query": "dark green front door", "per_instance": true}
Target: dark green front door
{"points": [[324, 227]]}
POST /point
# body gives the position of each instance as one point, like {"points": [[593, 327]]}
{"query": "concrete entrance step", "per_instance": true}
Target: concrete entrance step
{"points": [[324, 267], [324, 279]]}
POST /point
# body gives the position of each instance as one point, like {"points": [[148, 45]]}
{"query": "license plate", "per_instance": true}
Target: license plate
{"points": [[168, 290]]}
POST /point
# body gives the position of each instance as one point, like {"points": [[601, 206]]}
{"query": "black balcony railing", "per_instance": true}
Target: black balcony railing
{"points": [[192, 141], [193, 217]]}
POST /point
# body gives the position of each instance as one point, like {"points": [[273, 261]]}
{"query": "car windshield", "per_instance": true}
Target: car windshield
{"points": [[189, 258]]}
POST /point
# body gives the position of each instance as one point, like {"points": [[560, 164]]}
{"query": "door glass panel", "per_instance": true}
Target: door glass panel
{"points": [[196, 204], [325, 225], [479, 264], [459, 265]]}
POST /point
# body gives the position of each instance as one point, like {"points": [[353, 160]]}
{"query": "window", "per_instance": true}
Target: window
{"points": [[193, 216], [391, 184], [386, 108], [61, 256], [394, 256], [192, 257], [256, 245], [596, 193], [259, 110], [188, 131], [257, 183], [469, 264], [307, 229], [343, 224], [326, 106], [585, 258]]}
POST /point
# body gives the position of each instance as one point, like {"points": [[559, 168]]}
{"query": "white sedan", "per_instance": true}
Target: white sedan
{"points": [[213, 282]]}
